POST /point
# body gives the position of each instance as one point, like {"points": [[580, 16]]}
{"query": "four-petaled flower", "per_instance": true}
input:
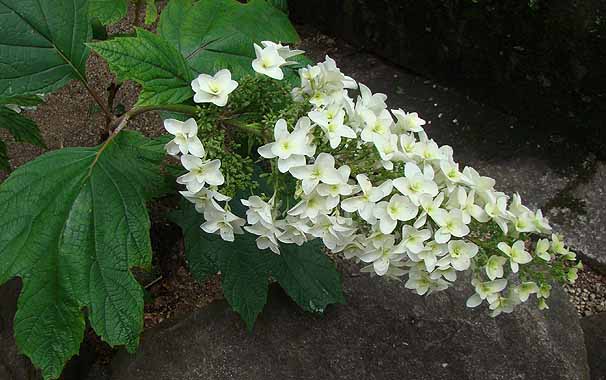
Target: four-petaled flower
{"points": [[213, 89]]}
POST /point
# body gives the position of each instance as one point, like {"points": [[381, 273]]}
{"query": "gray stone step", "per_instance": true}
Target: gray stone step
{"points": [[595, 341], [581, 217], [383, 332]]}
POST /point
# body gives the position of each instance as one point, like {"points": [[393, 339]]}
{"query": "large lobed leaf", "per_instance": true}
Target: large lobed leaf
{"points": [[41, 45], [218, 34], [305, 272], [22, 128], [152, 62], [108, 11], [73, 222]]}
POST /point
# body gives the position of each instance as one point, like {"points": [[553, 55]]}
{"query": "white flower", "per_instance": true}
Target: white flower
{"points": [[312, 205], [481, 185], [407, 145], [365, 203], [451, 171], [415, 183], [398, 208], [407, 122], [502, 305], [557, 245], [524, 222], [213, 89], [226, 223], [427, 150], [267, 236], [429, 255], [542, 248], [290, 148], [370, 101], [466, 203], [486, 291], [205, 199], [332, 125], [376, 126], [459, 255], [388, 150], [516, 253], [294, 230], [322, 170], [525, 289], [423, 283], [541, 223], [383, 255], [186, 138], [283, 50], [258, 210], [200, 173], [332, 230], [494, 267], [337, 189], [268, 62], [430, 206], [496, 209], [451, 224], [413, 239]]}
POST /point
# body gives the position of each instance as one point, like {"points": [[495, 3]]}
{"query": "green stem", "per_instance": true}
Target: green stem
{"points": [[179, 108], [123, 120], [245, 127]]}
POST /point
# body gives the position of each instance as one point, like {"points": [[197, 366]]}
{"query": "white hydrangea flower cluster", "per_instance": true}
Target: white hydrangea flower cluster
{"points": [[373, 186]]}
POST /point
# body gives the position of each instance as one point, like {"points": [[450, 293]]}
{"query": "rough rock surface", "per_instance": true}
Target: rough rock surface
{"points": [[383, 332], [583, 219], [595, 341], [13, 365]]}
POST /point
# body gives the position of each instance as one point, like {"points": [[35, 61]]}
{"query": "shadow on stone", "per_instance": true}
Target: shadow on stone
{"points": [[595, 341]]}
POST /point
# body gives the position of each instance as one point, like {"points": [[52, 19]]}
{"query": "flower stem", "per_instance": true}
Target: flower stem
{"points": [[122, 121]]}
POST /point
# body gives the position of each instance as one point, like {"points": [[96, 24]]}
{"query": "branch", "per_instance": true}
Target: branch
{"points": [[123, 120], [100, 102]]}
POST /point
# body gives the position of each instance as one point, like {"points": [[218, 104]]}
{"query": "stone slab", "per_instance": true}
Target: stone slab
{"points": [[383, 332]]}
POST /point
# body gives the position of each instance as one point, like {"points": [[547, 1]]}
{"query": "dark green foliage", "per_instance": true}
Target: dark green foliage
{"points": [[305, 272], [74, 223]]}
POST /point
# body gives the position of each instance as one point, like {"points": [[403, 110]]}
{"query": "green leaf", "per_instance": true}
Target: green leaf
{"points": [[308, 276], [305, 272], [280, 4], [22, 128], [151, 12], [152, 62], [199, 249], [108, 11], [244, 276], [25, 101], [41, 45], [73, 222], [208, 37], [4, 163]]}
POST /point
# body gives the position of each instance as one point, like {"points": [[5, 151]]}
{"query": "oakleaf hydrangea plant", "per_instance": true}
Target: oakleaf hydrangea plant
{"points": [[277, 163]]}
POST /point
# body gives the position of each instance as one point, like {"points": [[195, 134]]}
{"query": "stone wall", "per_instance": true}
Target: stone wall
{"points": [[542, 61]]}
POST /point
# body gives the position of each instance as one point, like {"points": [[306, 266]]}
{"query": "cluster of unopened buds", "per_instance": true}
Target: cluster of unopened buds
{"points": [[373, 186]]}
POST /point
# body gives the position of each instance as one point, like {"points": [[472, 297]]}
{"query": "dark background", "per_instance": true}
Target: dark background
{"points": [[541, 61]]}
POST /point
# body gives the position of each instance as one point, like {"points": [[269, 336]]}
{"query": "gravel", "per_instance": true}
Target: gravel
{"points": [[588, 293]]}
